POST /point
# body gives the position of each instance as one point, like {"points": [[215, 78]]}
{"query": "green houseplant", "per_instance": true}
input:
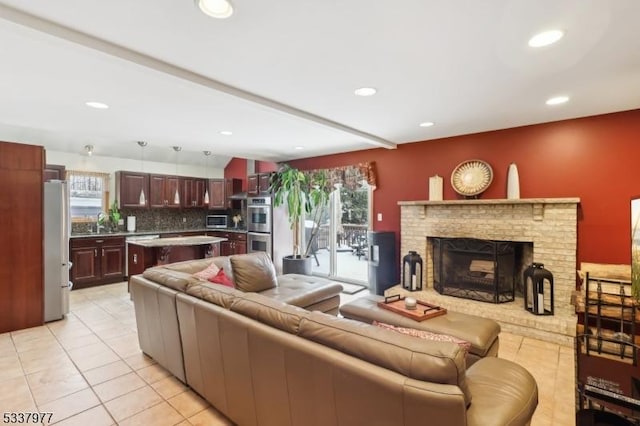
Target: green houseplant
{"points": [[302, 194]]}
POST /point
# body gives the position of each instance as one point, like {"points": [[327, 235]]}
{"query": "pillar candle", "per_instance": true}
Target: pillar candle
{"points": [[435, 188]]}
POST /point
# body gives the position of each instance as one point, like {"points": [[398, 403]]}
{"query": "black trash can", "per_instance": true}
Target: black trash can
{"points": [[382, 261]]}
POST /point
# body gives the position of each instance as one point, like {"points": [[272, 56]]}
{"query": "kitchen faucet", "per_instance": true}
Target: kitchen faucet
{"points": [[99, 223]]}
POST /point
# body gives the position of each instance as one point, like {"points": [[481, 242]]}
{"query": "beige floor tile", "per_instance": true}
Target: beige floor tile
{"points": [[39, 361], [210, 417], [188, 403], [139, 360], [10, 367], [168, 387], [15, 395], [96, 416], [70, 405], [125, 346], [119, 386], [49, 385], [92, 356], [153, 373], [26, 334], [70, 342], [132, 403], [106, 372], [43, 344], [158, 415]]}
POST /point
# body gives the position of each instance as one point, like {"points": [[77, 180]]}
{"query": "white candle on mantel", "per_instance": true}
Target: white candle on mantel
{"points": [[435, 188]]}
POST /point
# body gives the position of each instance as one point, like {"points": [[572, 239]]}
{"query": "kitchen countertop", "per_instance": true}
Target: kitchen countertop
{"points": [[196, 240], [139, 233]]}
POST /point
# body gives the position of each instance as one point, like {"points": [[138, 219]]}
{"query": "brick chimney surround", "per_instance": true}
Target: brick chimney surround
{"points": [[550, 224]]}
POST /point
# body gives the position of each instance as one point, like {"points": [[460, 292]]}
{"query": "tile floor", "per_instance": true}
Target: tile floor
{"points": [[88, 369]]}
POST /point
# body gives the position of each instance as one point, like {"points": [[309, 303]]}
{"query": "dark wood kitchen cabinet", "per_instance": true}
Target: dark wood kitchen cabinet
{"points": [[129, 188], [97, 260], [217, 197], [220, 191], [192, 195], [236, 242], [258, 183], [54, 172], [21, 250], [162, 191]]}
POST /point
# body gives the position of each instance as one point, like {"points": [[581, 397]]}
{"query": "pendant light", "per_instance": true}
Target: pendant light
{"points": [[176, 197], [206, 174], [143, 199]]}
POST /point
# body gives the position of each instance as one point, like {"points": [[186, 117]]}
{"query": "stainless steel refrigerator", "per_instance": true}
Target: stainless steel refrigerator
{"points": [[57, 225]]}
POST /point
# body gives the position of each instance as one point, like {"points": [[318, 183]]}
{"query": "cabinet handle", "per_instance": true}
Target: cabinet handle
{"points": [[102, 252], [135, 258], [99, 241], [95, 252]]}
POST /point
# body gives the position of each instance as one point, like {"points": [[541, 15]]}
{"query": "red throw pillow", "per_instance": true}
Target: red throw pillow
{"points": [[208, 273], [222, 278], [427, 335]]}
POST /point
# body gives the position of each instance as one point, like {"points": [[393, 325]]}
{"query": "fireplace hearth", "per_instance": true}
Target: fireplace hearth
{"points": [[476, 269]]}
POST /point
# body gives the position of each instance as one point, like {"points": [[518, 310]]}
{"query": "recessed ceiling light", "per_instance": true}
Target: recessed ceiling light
{"points": [[298, 148], [98, 105], [220, 9], [226, 132], [365, 91], [426, 124], [557, 100], [545, 38]]}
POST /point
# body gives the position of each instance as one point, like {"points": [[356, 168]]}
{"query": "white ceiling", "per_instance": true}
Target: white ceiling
{"points": [[281, 73]]}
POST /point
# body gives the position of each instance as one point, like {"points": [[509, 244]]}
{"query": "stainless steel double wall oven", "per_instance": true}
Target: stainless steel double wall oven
{"points": [[259, 225]]}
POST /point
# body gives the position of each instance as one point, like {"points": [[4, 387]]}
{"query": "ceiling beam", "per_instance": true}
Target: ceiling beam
{"points": [[42, 25]]}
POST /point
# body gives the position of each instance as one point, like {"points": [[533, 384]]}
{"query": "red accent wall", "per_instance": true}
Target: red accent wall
{"points": [[266, 166], [596, 159], [237, 168]]}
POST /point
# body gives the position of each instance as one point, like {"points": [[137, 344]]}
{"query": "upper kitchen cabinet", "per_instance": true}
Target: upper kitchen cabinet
{"points": [[220, 190], [132, 189], [163, 190], [53, 172], [217, 198], [252, 184], [192, 195], [258, 183]]}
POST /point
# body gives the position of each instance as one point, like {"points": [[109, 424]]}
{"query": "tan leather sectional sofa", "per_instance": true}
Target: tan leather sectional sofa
{"points": [[263, 361]]}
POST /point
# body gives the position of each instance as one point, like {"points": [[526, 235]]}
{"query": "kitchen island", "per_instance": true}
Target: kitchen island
{"points": [[144, 254]]}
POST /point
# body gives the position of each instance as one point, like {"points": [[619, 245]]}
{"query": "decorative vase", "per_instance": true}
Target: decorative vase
{"points": [[435, 188], [513, 183]]}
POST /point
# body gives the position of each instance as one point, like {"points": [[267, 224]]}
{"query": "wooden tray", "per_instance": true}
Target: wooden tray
{"points": [[423, 311]]}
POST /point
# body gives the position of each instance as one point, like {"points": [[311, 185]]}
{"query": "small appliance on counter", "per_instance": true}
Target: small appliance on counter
{"points": [[131, 224], [216, 221]]}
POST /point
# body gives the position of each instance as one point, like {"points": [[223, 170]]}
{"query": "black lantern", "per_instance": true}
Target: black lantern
{"points": [[412, 272], [538, 290]]}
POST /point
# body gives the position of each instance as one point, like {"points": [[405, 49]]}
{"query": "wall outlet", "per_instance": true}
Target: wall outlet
{"points": [[379, 217], [184, 220]]}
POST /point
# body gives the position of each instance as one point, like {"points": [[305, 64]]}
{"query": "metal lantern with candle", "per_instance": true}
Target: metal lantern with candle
{"points": [[538, 291], [412, 272]]}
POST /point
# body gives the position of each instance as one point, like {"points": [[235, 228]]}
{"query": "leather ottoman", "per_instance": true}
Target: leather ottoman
{"points": [[482, 333]]}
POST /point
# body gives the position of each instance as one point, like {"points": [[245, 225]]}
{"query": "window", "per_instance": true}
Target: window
{"points": [[88, 194]]}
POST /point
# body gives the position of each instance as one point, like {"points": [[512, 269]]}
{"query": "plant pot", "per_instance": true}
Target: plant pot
{"points": [[297, 265]]}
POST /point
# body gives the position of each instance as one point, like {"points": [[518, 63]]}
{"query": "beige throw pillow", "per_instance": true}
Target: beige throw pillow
{"points": [[253, 272]]}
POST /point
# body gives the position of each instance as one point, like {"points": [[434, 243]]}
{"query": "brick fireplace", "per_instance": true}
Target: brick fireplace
{"points": [[547, 225]]}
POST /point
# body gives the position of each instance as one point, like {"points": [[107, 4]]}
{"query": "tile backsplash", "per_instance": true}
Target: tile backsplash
{"points": [[154, 220]]}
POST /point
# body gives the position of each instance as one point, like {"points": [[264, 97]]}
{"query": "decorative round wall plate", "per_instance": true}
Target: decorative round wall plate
{"points": [[471, 177]]}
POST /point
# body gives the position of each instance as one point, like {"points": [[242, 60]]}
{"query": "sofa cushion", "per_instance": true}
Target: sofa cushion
{"points": [[208, 272], [189, 266], [427, 335], [253, 272], [221, 278], [440, 362], [303, 290], [176, 280], [268, 311], [217, 294]]}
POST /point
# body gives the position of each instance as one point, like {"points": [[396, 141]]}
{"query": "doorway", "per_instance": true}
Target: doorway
{"points": [[340, 250]]}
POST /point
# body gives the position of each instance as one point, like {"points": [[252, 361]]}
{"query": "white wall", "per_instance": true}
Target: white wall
{"points": [[97, 163]]}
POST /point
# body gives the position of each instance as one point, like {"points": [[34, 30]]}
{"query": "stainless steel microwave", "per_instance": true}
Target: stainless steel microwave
{"points": [[216, 221]]}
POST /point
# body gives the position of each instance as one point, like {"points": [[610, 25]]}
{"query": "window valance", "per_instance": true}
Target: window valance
{"points": [[351, 176]]}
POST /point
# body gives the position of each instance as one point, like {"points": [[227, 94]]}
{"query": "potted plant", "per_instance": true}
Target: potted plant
{"points": [[300, 193]]}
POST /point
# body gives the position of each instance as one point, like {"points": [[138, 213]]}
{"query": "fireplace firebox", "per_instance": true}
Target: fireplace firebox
{"points": [[471, 268]]}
